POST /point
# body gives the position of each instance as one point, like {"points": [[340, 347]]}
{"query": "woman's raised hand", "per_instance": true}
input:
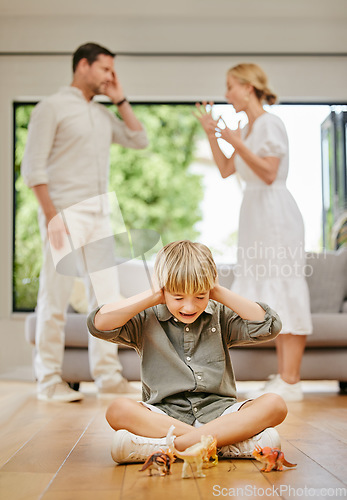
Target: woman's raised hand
{"points": [[204, 116], [229, 135]]}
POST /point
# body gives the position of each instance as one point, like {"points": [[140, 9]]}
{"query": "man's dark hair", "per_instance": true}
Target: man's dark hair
{"points": [[91, 52]]}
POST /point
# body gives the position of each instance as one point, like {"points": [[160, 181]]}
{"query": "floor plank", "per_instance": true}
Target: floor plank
{"points": [[62, 452], [308, 474], [89, 467], [49, 447], [237, 478], [141, 486], [23, 485]]}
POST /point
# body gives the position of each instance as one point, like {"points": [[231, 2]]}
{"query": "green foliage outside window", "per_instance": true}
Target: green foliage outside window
{"points": [[27, 243], [154, 187]]}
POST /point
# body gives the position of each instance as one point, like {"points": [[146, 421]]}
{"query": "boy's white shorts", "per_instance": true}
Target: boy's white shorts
{"points": [[232, 409]]}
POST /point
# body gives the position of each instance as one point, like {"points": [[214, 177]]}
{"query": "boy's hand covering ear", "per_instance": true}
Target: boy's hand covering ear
{"points": [[157, 291], [214, 289]]}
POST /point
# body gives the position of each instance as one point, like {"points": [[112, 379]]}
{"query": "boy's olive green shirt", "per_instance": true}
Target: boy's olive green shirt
{"points": [[185, 368]]}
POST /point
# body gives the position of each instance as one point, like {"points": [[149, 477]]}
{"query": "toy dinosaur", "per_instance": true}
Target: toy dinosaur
{"points": [[211, 453], [198, 454], [160, 461], [273, 458]]}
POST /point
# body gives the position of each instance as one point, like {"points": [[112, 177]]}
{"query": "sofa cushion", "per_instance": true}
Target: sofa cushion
{"points": [[76, 331], [326, 274], [329, 332], [134, 276]]}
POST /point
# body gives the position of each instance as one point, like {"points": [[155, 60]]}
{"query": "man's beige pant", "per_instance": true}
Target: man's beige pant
{"points": [[55, 291]]}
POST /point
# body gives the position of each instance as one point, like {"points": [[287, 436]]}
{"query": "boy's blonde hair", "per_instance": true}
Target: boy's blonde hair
{"points": [[185, 267]]}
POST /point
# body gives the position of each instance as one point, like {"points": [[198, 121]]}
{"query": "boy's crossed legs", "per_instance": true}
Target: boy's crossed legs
{"points": [[143, 431]]}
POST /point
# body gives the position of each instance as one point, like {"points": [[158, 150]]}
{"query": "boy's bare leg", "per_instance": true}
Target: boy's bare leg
{"points": [[125, 413], [254, 416]]}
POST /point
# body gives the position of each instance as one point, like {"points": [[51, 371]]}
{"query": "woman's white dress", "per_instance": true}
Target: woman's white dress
{"points": [[271, 251]]}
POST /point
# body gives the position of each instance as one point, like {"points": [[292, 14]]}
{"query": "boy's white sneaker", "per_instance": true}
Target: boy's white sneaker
{"points": [[60, 392], [128, 447], [243, 449], [289, 392]]}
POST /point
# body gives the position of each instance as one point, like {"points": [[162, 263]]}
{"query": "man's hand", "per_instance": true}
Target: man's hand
{"points": [[57, 231], [114, 89]]}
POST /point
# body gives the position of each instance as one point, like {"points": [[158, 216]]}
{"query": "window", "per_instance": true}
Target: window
{"points": [[155, 188], [222, 197], [334, 176], [174, 186]]}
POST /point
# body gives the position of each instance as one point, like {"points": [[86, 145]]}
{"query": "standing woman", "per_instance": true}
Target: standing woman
{"points": [[271, 254]]}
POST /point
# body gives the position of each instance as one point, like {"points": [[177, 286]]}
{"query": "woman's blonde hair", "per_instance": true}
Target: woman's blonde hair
{"points": [[255, 76], [185, 267]]}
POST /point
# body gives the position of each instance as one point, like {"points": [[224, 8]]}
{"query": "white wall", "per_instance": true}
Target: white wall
{"points": [[302, 49]]}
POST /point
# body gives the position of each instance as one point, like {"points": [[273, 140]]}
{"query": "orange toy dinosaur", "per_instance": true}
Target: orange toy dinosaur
{"points": [[273, 458], [160, 461]]}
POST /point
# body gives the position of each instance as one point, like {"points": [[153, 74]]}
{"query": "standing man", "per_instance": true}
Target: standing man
{"points": [[66, 163]]}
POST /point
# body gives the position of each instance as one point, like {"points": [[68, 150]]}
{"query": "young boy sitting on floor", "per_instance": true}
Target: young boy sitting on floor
{"points": [[182, 329]]}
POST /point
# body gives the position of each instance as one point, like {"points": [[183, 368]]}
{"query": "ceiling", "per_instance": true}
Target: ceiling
{"points": [[304, 9]]}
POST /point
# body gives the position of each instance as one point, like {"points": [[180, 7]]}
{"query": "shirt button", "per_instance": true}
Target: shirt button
{"points": [[175, 319], [195, 409], [187, 329], [213, 329], [199, 377], [188, 358]]}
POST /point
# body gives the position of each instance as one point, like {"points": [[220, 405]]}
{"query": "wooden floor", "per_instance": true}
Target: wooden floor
{"points": [[62, 451]]}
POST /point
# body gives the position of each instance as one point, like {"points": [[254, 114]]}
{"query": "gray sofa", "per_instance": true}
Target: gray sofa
{"points": [[325, 356]]}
